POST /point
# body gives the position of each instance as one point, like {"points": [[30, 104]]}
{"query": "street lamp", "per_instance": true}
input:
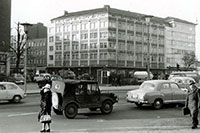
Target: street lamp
{"points": [[25, 25], [147, 19]]}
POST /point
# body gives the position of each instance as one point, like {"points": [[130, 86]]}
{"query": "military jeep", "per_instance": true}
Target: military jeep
{"points": [[70, 95]]}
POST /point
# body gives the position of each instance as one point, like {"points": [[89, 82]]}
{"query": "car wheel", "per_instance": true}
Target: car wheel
{"points": [[71, 111], [57, 111], [138, 104], [92, 109], [158, 103], [17, 99], [107, 107]]}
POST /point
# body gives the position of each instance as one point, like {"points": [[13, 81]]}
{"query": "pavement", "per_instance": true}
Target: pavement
{"points": [[156, 125]]}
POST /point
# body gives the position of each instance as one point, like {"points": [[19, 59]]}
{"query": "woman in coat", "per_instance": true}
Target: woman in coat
{"points": [[192, 102], [46, 104]]}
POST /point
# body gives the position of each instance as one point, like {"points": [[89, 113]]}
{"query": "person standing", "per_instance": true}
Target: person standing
{"points": [[192, 102], [46, 104]]}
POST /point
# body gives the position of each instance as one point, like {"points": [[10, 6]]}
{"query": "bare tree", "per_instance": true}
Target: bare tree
{"points": [[19, 49], [189, 59]]}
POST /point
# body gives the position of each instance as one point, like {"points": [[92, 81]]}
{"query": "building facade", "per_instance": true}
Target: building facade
{"points": [[36, 49], [5, 17], [180, 39], [105, 38]]}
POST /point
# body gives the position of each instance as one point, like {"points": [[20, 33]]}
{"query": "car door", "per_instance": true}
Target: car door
{"points": [[81, 94], [3, 92], [93, 93], [179, 96], [166, 92]]}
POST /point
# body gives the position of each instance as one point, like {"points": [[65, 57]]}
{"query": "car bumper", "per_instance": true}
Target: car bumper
{"points": [[137, 101]]}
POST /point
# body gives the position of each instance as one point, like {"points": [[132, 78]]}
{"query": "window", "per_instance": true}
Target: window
{"points": [[50, 57], [51, 39], [2, 87], [174, 86], [165, 86], [92, 89], [11, 87], [50, 48], [93, 35]]}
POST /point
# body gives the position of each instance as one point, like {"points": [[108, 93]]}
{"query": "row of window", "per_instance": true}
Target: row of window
{"points": [[36, 61], [37, 52], [37, 44], [110, 55]]}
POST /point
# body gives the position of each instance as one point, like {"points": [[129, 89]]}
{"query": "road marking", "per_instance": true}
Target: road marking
{"points": [[23, 114]]}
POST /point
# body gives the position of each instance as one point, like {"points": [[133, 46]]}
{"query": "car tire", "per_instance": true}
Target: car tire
{"points": [[107, 107], [71, 111], [139, 105], [16, 99], [158, 104], [93, 109]]}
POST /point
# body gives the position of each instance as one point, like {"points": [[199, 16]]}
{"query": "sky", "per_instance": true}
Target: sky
{"points": [[34, 11]]}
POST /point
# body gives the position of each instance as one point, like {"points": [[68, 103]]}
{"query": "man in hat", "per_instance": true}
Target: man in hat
{"points": [[192, 102]]}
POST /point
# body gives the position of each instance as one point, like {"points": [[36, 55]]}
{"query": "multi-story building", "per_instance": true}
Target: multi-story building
{"points": [[36, 49], [180, 39], [5, 17], [105, 38]]}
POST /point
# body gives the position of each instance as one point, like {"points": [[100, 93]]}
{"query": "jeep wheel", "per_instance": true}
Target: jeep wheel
{"points": [[57, 111], [92, 109], [158, 103], [107, 107], [71, 111], [16, 99]]}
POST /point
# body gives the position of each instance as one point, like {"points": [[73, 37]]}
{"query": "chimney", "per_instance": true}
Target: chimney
{"points": [[107, 7], [65, 12]]}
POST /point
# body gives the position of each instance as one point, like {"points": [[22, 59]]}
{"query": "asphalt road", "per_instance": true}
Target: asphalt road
{"points": [[125, 116]]}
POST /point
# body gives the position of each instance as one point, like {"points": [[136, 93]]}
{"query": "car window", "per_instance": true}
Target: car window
{"points": [[80, 89], [2, 87], [11, 87], [174, 86], [147, 86], [92, 89], [165, 86]]}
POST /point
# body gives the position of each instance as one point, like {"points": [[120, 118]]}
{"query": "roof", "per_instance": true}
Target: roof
{"points": [[159, 81], [112, 11], [179, 20]]}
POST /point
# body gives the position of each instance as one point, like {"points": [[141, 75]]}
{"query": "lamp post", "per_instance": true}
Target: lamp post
{"points": [[147, 19], [25, 25]]}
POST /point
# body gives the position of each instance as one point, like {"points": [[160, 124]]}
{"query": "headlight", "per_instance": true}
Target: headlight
{"points": [[141, 96]]}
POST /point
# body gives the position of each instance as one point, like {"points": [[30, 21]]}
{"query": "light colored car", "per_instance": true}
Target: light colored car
{"points": [[183, 82], [157, 93], [141, 76], [18, 78], [11, 92], [41, 76]]}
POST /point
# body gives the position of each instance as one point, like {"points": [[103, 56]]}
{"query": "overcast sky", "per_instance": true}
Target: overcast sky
{"points": [[43, 11]]}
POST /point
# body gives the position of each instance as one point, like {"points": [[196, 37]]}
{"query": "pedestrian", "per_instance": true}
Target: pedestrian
{"points": [[46, 103], [192, 102]]}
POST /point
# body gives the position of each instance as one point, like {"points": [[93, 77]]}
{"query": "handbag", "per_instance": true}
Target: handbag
{"points": [[186, 111], [45, 118]]}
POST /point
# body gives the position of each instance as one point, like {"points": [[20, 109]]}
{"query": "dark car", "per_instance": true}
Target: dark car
{"points": [[70, 95]]}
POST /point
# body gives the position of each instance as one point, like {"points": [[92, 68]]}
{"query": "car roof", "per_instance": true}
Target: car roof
{"points": [[160, 81], [7, 83], [75, 81], [182, 78]]}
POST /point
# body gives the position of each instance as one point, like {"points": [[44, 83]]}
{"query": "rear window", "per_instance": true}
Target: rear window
{"points": [[147, 86]]}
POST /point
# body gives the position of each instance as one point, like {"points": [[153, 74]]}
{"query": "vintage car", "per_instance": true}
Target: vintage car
{"points": [[183, 82], [69, 95], [191, 74], [11, 92], [157, 93]]}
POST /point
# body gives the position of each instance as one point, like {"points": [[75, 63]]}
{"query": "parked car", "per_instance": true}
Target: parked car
{"points": [[141, 76], [56, 77], [11, 92], [183, 82], [19, 79], [193, 75], [157, 93], [70, 95], [39, 77]]}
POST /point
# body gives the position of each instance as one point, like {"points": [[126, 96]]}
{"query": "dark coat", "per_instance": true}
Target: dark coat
{"points": [[192, 100], [45, 102]]}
